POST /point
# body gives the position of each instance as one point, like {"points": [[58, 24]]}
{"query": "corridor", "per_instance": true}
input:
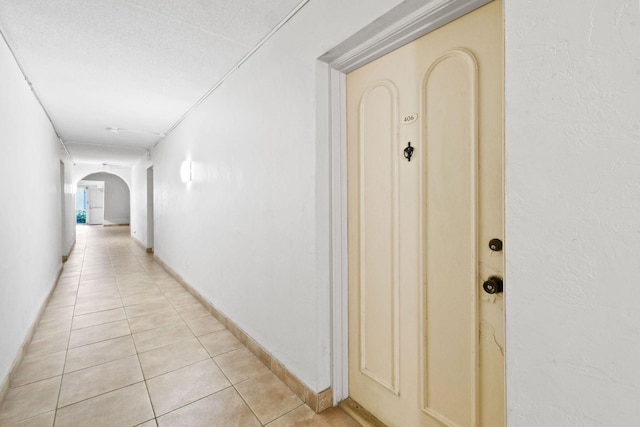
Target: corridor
{"points": [[121, 343]]}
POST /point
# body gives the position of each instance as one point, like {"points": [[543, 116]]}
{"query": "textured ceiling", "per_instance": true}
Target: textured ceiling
{"points": [[137, 64]]}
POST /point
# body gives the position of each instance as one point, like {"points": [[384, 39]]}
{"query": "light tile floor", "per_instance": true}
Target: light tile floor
{"points": [[121, 343]]}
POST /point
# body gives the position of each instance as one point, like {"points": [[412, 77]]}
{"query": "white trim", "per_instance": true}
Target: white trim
{"points": [[340, 310], [401, 25]]}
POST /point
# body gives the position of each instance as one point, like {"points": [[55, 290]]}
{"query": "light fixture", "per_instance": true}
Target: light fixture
{"points": [[118, 130], [185, 171]]}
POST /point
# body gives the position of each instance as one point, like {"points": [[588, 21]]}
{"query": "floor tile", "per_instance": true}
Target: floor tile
{"points": [[127, 406], [96, 275], [171, 357], [154, 320], [57, 313], [71, 272], [62, 301], [219, 342], [143, 298], [90, 382], [142, 309], [30, 400], [169, 284], [101, 352], [89, 294], [183, 299], [48, 344], [240, 365], [101, 305], [93, 319], [304, 416], [186, 385], [191, 311], [204, 325], [160, 337], [93, 334], [51, 327], [137, 287], [222, 409], [63, 290], [132, 276], [268, 397], [44, 420], [174, 291], [39, 368]]}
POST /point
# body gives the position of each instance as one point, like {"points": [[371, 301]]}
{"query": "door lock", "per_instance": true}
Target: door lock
{"points": [[493, 285], [495, 245]]}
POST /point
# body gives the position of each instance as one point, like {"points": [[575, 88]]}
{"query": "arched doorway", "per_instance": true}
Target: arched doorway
{"points": [[103, 198]]}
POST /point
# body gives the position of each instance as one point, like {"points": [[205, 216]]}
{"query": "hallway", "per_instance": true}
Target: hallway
{"points": [[121, 343]]}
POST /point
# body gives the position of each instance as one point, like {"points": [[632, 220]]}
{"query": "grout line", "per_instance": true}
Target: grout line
{"points": [[66, 354], [197, 400], [247, 403], [287, 413], [101, 394], [97, 364]]}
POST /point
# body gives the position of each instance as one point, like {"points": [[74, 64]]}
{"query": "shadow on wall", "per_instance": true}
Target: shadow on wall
{"points": [[116, 199]]}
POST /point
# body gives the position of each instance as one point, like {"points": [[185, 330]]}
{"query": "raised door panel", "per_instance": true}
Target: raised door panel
{"points": [[449, 308], [378, 232]]}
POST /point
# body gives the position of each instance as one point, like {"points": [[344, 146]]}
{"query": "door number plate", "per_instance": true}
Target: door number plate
{"points": [[409, 118]]}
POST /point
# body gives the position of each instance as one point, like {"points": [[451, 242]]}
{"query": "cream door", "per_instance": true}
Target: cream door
{"points": [[425, 339]]}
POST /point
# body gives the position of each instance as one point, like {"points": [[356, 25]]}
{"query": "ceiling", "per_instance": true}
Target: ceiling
{"points": [[137, 65]]}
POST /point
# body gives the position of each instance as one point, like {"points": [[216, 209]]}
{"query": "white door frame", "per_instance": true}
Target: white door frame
{"points": [[150, 218], [401, 25]]}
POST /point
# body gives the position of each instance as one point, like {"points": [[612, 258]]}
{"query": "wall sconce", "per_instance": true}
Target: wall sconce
{"points": [[185, 171]]}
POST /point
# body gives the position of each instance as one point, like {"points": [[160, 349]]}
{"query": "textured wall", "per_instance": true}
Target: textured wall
{"points": [[247, 232], [572, 211], [31, 243]]}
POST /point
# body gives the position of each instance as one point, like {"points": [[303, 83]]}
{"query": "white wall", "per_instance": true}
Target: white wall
{"points": [[139, 201], [117, 203], [245, 232], [31, 241], [69, 220], [80, 170], [573, 212]]}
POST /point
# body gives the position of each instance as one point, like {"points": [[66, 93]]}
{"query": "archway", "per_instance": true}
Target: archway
{"points": [[107, 201]]}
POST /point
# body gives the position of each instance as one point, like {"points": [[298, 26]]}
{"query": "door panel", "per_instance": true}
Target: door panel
{"points": [[449, 224], [425, 341], [379, 258]]}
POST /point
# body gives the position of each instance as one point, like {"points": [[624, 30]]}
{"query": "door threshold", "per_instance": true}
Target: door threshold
{"points": [[361, 415]]}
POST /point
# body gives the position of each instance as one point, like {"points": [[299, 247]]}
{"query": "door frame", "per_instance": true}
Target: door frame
{"points": [[150, 208], [399, 26]]}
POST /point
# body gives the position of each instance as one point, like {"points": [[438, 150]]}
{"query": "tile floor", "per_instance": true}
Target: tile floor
{"points": [[121, 343]]}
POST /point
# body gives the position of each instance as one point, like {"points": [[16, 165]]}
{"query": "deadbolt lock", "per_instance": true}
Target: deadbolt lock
{"points": [[493, 285], [495, 245]]}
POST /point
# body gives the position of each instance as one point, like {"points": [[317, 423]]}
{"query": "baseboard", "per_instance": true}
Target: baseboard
{"points": [[137, 242], [66, 257], [318, 402], [6, 382]]}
